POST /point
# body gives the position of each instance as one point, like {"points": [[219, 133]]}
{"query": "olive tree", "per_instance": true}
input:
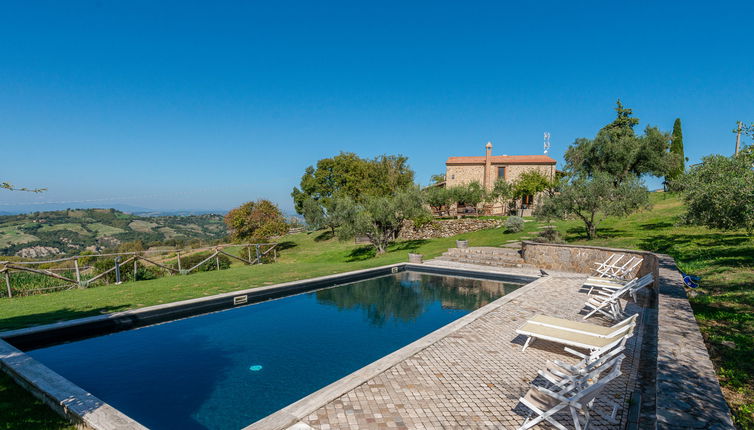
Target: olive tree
{"points": [[603, 174], [719, 192], [618, 151], [470, 194], [438, 197], [591, 199], [380, 218], [320, 214]]}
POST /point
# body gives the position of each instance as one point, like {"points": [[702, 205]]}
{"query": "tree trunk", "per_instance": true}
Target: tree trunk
{"points": [[591, 230]]}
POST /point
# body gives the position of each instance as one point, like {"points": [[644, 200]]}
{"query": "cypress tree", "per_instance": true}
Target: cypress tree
{"points": [[676, 147]]}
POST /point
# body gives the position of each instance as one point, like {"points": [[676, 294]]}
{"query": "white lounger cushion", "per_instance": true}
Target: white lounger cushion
{"points": [[580, 327]]}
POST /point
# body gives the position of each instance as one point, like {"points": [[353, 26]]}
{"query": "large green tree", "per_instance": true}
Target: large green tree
{"points": [[719, 192], [380, 218], [618, 151], [676, 147], [255, 221], [348, 175], [603, 175]]}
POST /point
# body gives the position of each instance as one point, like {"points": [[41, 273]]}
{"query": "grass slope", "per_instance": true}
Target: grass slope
{"points": [[724, 306]]}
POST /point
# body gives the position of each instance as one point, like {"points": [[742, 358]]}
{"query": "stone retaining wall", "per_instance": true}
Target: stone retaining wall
{"points": [[580, 259]]}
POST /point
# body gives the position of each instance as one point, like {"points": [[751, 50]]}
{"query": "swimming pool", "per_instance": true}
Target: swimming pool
{"points": [[227, 369]]}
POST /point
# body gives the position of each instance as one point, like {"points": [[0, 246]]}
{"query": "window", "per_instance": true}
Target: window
{"points": [[501, 172]]}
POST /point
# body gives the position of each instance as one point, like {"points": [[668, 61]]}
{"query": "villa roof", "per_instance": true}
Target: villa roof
{"points": [[503, 159]]}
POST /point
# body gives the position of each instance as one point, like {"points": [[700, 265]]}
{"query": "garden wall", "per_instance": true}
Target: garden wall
{"points": [[580, 259]]}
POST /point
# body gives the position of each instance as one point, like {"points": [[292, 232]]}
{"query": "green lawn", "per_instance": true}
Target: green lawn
{"points": [[725, 307]]}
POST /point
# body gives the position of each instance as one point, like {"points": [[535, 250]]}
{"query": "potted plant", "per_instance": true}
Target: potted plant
{"points": [[415, 258]]}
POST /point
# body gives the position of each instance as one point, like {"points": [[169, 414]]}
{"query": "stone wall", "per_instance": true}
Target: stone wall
{"points": [[513, 171], [446, 228], [580, 259], [456, 175]]}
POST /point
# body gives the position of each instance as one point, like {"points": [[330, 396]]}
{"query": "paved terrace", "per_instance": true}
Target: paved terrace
{"points": [[473, 377]]}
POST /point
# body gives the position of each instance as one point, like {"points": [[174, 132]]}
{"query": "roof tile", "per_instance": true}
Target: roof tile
{"points": [[503, 159]]}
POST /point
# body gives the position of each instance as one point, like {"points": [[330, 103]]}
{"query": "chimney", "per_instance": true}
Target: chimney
{"points": [[487, 166]]}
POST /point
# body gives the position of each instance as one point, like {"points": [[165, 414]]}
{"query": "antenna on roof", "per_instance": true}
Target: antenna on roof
{"points": [[547, 142]]}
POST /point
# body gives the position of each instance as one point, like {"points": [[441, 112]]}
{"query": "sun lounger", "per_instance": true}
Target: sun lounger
{"points": [[611, 286], [608, 303], [579, 339], [579, 400], [621, 272], [580, 327], [611, 261], [563, 376]]}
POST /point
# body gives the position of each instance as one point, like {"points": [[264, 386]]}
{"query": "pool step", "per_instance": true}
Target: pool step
{"points": [[486, 255]]}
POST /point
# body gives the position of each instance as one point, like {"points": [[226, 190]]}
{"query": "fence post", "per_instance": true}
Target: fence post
{"points": [[117, 270], [259, 261], [248, 251], [78, 272], [7, 283], [275, 251], [217, 262], [179, 261], [136, 265]]}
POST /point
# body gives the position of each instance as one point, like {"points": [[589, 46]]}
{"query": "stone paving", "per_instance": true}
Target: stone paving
{"points": [[473, 378]]}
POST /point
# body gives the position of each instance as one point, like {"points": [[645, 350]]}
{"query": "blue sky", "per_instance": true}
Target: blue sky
{"points": [[210, 104]]}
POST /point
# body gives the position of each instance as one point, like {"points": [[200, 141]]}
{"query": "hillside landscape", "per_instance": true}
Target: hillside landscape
{"points": [[72, 231]]}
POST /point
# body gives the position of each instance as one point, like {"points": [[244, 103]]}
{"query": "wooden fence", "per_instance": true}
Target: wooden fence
{"points": [[121, 260]]}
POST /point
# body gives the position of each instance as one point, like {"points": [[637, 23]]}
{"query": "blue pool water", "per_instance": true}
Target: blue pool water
{"points": [[227, 369]]}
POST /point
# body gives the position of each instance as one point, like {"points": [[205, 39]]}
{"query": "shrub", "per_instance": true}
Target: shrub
{"points": [[423, 219], [549, 234], [514, 224]]}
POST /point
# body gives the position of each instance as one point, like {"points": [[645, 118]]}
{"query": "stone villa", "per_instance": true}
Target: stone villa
{"points": [[489, 168]]}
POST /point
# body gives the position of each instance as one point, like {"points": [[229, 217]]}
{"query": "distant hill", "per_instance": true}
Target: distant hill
{"points": [[42, 234], [20, 209]]}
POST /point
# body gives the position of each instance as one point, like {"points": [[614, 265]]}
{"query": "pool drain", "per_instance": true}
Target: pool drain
{"points": [[255, 368]]}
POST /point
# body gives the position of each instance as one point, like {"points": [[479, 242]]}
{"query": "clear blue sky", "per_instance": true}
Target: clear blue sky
{"points": [[209, 104]]}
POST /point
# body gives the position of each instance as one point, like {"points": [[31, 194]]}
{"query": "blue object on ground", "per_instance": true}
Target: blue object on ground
{"points": [[256, 367], [691, 281]]}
